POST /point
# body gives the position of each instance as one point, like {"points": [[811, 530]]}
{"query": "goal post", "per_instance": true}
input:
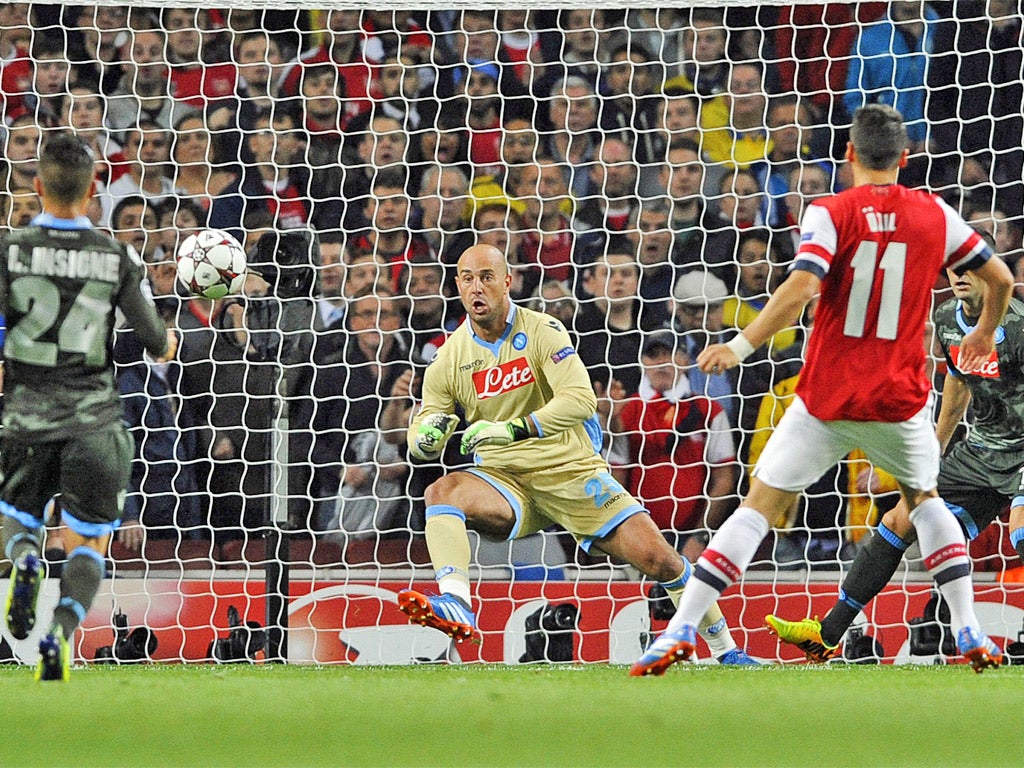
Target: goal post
{"points": [[645, 168]]}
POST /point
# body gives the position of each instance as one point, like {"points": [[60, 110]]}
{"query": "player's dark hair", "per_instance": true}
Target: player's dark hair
{"points": [[878, 136], [67, 168]]}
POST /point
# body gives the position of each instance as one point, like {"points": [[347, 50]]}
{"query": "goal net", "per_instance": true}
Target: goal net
{"points": [[644, 169]]}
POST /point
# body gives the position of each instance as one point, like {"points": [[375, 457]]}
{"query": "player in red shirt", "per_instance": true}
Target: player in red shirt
{"points": [[873, 252]]}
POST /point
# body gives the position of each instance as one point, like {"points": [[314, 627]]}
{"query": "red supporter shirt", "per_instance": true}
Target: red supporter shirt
{"points": [[878, 251], [672, 469], [553, 254], [198, 85]]}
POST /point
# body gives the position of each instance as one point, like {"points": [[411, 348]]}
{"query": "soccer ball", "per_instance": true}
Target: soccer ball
{"points": [[211, 264]]}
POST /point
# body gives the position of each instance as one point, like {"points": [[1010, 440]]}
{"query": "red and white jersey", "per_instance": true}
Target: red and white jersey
{"points": [[878, 251]]}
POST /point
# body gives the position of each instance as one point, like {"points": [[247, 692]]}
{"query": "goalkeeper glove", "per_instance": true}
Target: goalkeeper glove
{"points": [[494, 433], [432, 434]]}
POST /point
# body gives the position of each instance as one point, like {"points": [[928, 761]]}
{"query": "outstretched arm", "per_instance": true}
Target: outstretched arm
{"points": [[781, 311]]}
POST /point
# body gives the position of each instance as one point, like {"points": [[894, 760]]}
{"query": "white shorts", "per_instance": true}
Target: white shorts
{"points": [[802, 448]]}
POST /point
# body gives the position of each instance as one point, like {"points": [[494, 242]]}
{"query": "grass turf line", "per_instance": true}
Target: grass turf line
{"points": [[170, 715]]}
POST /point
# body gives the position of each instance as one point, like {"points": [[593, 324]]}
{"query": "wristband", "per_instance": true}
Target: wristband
{"points": [[740, 347]]}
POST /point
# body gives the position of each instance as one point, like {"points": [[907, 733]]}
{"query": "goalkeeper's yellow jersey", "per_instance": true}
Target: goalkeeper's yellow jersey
{"points": [[532, 370]]}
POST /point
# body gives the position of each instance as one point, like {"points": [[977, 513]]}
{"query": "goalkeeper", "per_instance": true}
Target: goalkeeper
{"points": [[536, 441]]}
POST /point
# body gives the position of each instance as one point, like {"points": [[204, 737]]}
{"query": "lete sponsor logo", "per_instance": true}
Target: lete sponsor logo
{"points": [[988, 370], [503, 378]]}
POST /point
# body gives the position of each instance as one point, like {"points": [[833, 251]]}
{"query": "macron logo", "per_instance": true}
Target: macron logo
{"points": [[503, 378]]}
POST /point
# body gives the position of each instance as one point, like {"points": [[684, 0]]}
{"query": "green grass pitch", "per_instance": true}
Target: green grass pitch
{"points": [[474, 715]]}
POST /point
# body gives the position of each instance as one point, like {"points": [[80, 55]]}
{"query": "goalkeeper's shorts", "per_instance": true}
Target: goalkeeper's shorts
{"points": [[582, 497]]}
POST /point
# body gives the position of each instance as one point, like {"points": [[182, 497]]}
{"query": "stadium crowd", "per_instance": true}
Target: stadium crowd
{"points": [[645, 172]]}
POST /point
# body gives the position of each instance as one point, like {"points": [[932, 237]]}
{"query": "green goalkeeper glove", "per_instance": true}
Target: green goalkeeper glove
{"points": [[494, 433], [432, 434]]}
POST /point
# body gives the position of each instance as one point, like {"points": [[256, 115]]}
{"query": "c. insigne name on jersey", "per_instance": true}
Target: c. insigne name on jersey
{"points": [[502, 378], [61, 262], [988, 370]]}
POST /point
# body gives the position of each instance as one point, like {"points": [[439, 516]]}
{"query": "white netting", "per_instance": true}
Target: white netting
{"points": [[644, 169]]}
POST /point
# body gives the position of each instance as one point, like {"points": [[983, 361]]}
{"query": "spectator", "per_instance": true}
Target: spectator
{"points": [[275, 182], [629, 103], [611, 199], [82, 112], [199, 76], [573, 137], [200, 174], [163, 500], [341, 193], [331, 283], [520, 43], [975, 93], [146, 155], [681, 462], [660, 31], [343, 48], [812, 50], [549, 241], [21, 151], [18, 207], [699, 242], [475, 41], [483, 118], [178, 218], [444, 143], [352, 381], [789, 122], [608, 322], [739, 201], [101, 31], [705, 69], [244, 386], [758, 258], [1005, 232], [807, 182], [697, 317], [261, 69], [365, 271], [519, 145], [573, 53], [653, 244], [889, 65], [260, 66], [134, 222], [443, 202], [431, 318], [323, 118], [51, 77], [677, 116], [389, 235], [397, 92], [500, 225], [733, 122], [556, 299], [143, 91]]}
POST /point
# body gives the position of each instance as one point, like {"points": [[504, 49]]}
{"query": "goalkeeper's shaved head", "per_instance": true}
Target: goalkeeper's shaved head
{"points": [[66, 168], [484, 254]]}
